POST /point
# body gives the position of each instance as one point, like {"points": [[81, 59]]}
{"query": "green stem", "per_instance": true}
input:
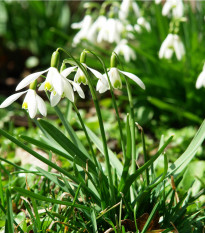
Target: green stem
{"points": [[114, 103], [94, 96], [144, 151], [132, 122], [86, 134]]}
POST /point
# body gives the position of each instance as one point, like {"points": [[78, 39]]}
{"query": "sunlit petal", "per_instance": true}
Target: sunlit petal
{"points": [[54, 99], [41, 105], [134, 78], [78, 89], [32, 103], [30, 78], [11, 99], [67, 71]]}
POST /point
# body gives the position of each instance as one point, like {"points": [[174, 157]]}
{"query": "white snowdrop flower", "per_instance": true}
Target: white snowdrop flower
{"points": [[129, 31], [53, 80], [84, 26], [111, 31], [32, 102], [125, 8], [124, 49], [67, 90], [102, 84], [141, 21], [114, 76], [81, 78], [174, 6], [95, 28], [201, 79], [172, 44]]}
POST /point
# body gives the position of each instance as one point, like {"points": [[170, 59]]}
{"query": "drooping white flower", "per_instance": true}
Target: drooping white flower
{"points": [[32, 102], [172, 44], [125, 8], [174, 6], [84, 26], [111, 31], [114, 76], [102, 84], [95, 28], [67, 90], [142, 23], [124, 49], [201, 79], [81, 78]]}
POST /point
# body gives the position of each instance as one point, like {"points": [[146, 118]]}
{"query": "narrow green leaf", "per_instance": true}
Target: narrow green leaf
{"points": [[49, 200], [10, 219], [132, 178], [113, 158], [49, 163], [180, 164], [150, 218], [71, 148]]}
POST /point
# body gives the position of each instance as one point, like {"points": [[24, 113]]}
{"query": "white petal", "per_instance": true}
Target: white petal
{"points": [[134, 78], [54, 99], [29, 79], [56, 80], [68, 91], [95, 72], [200, 80], [41, 105], [67, 71], [11, 99], [166, 8], [41, 88], [32, 103], [78, 89]]}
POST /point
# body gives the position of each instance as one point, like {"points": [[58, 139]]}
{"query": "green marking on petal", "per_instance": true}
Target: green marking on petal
{"points": [[117, 84], [25, 105], [48, 86]]}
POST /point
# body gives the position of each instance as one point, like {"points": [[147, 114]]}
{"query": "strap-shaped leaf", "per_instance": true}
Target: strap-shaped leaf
{"points": [[113, 158], [180, 164], [49, 163], [65, 143], [46, 199], [132, 178]]}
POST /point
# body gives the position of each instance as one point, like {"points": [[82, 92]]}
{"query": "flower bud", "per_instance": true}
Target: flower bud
{"points": [[55, 59], [83, 57], [33, 85], [113, 60]]}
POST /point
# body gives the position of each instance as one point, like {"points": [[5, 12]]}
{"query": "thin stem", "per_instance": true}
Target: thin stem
{"points": [[94, 96], [114, 104], [132, 122], [86, 134]]}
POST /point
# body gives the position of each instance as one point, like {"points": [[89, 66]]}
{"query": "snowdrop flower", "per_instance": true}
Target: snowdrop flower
{"points": [[95, 28], [32, 102], [143, 23], [53, 79], [81, 78], [123, 49], [174, 6], [125, 7], [201, 79], [114, 76], [172, 44], [111, 31], [84, 26], [102, 84]]}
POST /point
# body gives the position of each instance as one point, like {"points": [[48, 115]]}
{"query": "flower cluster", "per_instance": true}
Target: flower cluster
{"points": [[59, 86], [112, 26], [172, 43]]}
